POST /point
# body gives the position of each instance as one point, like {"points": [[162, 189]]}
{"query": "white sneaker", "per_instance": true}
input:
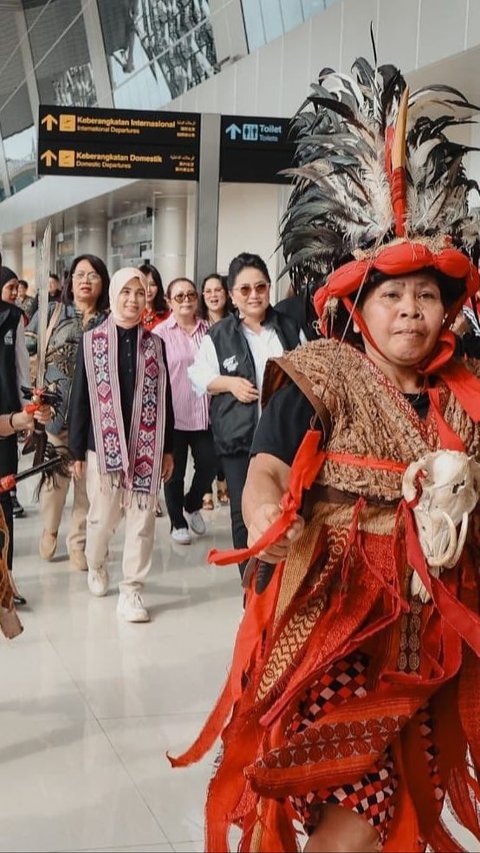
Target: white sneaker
{"points": [[181, 535], [131, 607], [196, 522], [98, 581]]}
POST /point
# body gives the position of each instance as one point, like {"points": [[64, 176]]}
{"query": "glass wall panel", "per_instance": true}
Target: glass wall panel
{"points": [[265, 20], [130, 241], [60, 52], [254, 28], [272, 19], [157, 49], [292, 14], [16, 120]]}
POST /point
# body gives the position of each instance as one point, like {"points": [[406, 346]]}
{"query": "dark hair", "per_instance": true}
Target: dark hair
{"points": [[228, 307], [54, 275], [175, 280], [450, 288], [159, 303], [100, 268], [243, 260], [22, 281]]}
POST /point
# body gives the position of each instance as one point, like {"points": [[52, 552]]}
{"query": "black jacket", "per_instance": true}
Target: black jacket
{"points": [[233, 423], [10, 316]]}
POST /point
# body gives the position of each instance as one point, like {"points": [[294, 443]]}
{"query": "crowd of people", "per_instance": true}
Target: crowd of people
{"points": [[342, 429], [139, 371]]}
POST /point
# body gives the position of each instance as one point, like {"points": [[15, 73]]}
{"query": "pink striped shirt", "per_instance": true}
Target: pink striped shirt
{"points": [[191, 412]]}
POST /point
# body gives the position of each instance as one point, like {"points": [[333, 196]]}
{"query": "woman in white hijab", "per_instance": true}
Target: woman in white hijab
{"points": [[121, 428]]}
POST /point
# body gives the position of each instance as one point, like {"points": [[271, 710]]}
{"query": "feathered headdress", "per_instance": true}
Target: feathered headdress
{"points": [[376, 171]]}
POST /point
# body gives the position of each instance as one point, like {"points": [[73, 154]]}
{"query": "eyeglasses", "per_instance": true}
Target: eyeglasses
{"points": [[246, 289], [91, 277], [185, 297]]}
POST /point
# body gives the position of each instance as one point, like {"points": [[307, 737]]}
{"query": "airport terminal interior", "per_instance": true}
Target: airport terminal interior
{"points": [[90, 704]]}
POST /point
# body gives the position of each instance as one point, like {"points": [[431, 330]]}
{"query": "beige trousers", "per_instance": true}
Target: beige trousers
{"points": [[103, 518], [52, 503]]}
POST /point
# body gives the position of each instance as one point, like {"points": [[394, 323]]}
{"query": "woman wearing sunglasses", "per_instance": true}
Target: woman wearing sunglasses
{"points": [[230, 366], [182, 333]]}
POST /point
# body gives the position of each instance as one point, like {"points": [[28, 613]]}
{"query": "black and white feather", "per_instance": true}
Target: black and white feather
{"points": [[341, 199]]}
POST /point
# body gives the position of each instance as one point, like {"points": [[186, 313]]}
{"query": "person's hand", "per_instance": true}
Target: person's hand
{"points": [[78, 469], [261, 520], [25, 420], [243, 389], [167, 466], [43, 414]]}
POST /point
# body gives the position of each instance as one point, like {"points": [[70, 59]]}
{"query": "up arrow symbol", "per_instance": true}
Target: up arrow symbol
{"points": [[49, 120], [233, 130], [49, 157]]}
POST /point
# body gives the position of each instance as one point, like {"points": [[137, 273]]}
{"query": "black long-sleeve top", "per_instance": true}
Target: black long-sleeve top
{"points": [[80, 429]]}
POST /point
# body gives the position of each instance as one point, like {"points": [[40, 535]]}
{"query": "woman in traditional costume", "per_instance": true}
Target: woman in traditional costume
{"points": [[352, 700], [121, 426]]}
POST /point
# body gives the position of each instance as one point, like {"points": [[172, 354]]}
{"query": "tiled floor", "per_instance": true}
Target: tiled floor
{"points": [[90, 705]]}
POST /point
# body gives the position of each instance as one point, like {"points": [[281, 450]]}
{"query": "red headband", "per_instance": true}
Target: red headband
{"points": [[395, 260]]}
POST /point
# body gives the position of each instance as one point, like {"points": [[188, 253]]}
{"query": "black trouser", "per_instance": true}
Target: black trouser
{"points": [[8, 465], [235, 468], [200, 443], [220, 474], [6, 504]]}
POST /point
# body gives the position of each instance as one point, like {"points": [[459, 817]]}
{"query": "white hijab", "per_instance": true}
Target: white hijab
{"points": [[117, 282]]}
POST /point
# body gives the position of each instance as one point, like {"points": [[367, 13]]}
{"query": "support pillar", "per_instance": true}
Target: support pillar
{"points": [[12, 257], [169, 237], [91, 238]]}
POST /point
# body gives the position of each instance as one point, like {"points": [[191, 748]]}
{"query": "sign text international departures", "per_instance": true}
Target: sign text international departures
{"points": [[118, 143]]}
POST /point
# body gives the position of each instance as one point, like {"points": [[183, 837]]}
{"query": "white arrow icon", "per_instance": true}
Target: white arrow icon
{"points": [[233, 130]]}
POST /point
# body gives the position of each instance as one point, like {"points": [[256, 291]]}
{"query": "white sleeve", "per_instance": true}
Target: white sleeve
{"points": [[205, 368], [22, 361]]}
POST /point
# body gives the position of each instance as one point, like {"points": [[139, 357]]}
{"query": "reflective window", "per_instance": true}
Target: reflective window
{"points": [[16, 120], [157, 49], [60, 52], [130, 241], [293, 13], [272, 19], [265, 20]]}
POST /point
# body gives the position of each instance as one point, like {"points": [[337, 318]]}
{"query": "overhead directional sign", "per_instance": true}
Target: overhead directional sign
{"points": [[118, 143], [255, 149]]}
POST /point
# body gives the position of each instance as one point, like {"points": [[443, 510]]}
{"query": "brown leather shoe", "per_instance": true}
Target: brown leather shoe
{"points": [[78, 561], [47, 545]]}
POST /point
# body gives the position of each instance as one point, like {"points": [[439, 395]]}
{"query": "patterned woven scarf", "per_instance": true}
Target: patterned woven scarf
{"points": [[132, 463]]}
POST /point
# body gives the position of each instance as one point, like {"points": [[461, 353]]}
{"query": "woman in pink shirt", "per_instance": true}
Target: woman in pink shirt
{"points": [[181, 333]]}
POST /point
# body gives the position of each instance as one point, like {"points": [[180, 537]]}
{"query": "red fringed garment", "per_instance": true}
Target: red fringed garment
{"points": [[343, 595]]}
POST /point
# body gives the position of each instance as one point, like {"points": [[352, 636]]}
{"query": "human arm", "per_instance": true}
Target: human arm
{"points": [[205, 367], [205, 376], [79, 415], [167, 466], [268, 477], [169, 413], [279, 433], [19, 421], [241, 388]]}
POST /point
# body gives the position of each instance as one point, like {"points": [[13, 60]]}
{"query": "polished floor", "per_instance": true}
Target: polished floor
{"points": [[90, 704]]}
